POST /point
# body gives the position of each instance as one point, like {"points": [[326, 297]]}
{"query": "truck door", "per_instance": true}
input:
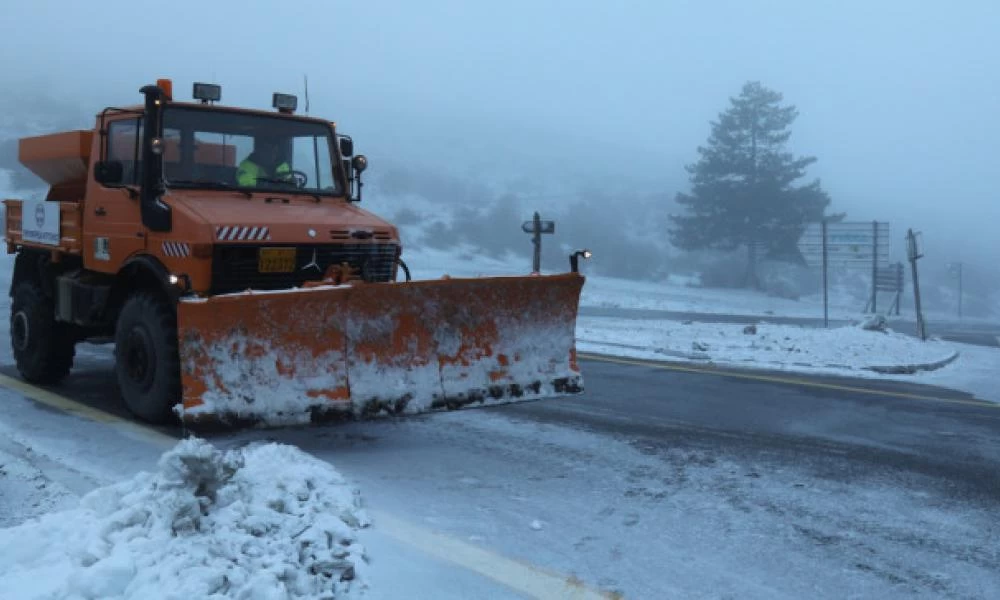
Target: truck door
{"points": [[112, 222]]}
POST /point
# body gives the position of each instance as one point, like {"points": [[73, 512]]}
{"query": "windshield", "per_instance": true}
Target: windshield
{"points": [[220, 149]]}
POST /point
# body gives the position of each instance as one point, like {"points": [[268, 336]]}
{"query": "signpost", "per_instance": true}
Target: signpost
{"points": [[856, 244], [890, 279], [848, 244], [536, 226]]}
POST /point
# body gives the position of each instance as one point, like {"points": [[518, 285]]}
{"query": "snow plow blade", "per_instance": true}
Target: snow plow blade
{"points": [[364, 350]]}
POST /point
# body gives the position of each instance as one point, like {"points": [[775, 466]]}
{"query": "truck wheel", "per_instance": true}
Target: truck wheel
{"points": [[146, 359], [43, 347]]}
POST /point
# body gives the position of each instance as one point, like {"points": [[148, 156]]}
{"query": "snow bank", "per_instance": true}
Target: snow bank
{"points": [[784, 347], [265, 521], [678, 295]]}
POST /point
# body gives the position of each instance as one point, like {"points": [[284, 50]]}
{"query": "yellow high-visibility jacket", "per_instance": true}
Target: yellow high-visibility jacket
{"points": [[249, 171]]}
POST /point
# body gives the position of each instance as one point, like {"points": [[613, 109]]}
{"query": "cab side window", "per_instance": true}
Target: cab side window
{"points": [[124, 138]]}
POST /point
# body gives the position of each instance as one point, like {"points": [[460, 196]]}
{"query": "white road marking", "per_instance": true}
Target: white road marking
{"points": [[522, 577]]}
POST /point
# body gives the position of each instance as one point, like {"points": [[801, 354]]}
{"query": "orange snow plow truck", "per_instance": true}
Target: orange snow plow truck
{"points": [[223, 252]]}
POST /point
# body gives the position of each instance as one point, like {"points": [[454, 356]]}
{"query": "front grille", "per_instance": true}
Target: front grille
{"points": [[234, 267], [382, 235]]}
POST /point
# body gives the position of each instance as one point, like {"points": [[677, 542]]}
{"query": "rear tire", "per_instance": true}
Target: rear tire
{"points": [[43, 347], [146, 359]]}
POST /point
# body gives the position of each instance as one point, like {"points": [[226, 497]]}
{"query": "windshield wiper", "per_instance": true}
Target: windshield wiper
{"points": [[210, 185], [289, 186]]}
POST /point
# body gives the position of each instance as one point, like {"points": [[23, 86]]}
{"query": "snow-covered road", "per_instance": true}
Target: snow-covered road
{"points": [[50, 460], [634, 489]]}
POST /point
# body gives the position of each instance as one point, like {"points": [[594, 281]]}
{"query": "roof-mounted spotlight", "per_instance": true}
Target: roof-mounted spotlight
{"points": [[207, 92], [285, 103]]}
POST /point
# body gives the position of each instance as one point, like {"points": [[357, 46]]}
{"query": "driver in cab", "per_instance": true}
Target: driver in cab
{"points": [[266, 164]]}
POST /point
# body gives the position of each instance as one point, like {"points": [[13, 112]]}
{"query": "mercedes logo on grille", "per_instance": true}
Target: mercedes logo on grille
{"points": [[312, 263]]}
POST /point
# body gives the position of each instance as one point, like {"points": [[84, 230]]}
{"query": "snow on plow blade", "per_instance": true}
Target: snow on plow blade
{"points": [[368, 349]]}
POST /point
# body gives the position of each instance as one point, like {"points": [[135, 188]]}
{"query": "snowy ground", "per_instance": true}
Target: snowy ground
{"points": [[844, 350], [849, 351], [27, 491]]}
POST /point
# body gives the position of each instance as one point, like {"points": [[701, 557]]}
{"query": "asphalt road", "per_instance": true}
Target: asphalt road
{"points": [[884, 425], [669, 480], [977, 333]]}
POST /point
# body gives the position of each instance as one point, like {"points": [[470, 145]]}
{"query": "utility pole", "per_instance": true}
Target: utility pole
{"points": [[913, 254], [826, 296], [874, 297]]}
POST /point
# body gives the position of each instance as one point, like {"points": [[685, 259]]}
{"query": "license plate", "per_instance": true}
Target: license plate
{"points": [[276, 260]]}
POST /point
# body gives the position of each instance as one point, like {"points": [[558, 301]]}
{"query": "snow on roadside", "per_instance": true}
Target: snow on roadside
{"points": [[676, 295], [772, 346], [26, 491], [460, 261], [974, 372], [849, 351], [261, 521]]}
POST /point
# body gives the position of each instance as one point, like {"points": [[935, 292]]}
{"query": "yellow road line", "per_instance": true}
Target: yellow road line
{"points": [[127, 428], [522, 577], [739, 374]]}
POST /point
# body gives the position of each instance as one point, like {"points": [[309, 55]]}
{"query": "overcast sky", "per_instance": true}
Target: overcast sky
{"points": [[898, 99]]}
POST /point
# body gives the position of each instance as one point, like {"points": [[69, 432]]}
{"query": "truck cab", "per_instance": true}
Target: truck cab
{"points": [[172, 199]]}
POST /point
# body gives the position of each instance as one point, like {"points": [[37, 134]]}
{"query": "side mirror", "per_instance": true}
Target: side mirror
{"points": [[348, 169], [109, 172], [346, 146], [360, 163]]}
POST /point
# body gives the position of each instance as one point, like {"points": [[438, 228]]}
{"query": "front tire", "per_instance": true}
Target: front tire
{"points": [[43, 347], [146, 359]]}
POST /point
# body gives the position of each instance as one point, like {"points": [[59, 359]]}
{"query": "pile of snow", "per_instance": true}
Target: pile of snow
{"points": [[785, 347], [263, 521]]}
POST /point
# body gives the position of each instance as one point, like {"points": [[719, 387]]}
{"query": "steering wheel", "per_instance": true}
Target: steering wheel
{"points": [[299, 178]]}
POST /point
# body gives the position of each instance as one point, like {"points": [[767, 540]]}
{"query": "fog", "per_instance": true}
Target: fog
{"points": [[898, 100]]}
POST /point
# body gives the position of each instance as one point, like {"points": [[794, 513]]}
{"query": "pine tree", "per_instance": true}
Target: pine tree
{"points": [[743, 191]]}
